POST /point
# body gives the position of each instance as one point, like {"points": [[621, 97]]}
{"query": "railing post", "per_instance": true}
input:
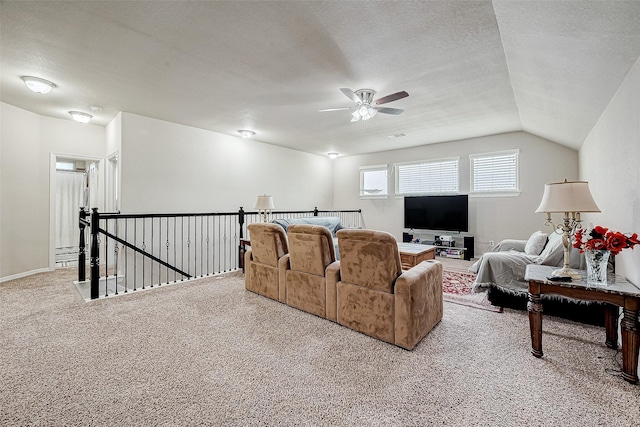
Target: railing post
{"points": [[241, 239], [82, 274], [315, 211], [95, 254]]}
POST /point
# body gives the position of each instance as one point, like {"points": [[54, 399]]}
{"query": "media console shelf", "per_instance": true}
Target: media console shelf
{"points": [[465, 252], [450, 251]]}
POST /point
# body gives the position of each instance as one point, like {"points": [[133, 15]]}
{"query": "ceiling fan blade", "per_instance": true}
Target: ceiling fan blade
{"points": [[387, 110], [351, 95], [392, 97], [334, 109]]}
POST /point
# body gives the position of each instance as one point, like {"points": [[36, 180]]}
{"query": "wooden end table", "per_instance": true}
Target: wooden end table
{"points": [[412, 254], [617, 293], [242, 249]]}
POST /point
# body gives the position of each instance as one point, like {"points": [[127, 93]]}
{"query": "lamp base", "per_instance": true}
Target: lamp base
{"points": [[566, 272]]}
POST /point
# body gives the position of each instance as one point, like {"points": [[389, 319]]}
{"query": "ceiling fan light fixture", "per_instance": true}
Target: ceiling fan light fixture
{"points": [[38, 85], [245, 133], [80, 117], [366, 107]]}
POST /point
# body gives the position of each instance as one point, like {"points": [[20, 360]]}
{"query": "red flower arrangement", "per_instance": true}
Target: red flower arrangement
{"points": [[601, 238]]}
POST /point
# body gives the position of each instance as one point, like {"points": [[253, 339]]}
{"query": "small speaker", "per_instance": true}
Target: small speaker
{"points": [[469, 243], [406, 237]]}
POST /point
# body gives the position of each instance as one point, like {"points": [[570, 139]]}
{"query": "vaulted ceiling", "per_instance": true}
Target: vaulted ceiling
{"points": [[471, 68]]}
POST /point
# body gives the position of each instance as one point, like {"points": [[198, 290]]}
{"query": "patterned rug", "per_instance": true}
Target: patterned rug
{"points": [[457, 288]]}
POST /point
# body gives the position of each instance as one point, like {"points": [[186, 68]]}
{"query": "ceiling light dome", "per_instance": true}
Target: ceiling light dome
{"points": [[80, 117], [245, 133], [332, 155], [38, 85]]}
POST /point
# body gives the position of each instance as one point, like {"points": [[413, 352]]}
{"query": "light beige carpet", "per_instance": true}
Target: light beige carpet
{"points": [[210, 353]]}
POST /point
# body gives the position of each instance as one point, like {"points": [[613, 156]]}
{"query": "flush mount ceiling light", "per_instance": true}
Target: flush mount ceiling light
{"points": [[332, 155], [246, 133], [38, 85], [80, 117]]}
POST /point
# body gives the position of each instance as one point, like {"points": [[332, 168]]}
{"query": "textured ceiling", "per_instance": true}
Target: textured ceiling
{"points": [[471, 68]]}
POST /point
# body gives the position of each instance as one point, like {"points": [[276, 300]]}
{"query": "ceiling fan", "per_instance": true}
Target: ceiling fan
{"points": [[366, 108]]}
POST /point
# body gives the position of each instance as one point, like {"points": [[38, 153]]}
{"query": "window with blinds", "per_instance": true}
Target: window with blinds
{"points": [[433, 176], [494, 172], [373, 181]]}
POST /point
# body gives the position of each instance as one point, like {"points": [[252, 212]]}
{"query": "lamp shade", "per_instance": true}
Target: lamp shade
{"points": [[567, 197], [264, 203]]}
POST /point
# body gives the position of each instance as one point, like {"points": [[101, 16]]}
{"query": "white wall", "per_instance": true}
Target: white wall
{"points": [[610, 161], [167, 167], [24, 205], [114, 135], [490, 218], [27, 140], [114, 148]]}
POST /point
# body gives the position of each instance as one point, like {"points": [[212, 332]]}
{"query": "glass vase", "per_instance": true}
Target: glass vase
{"points": [[597, 261]]}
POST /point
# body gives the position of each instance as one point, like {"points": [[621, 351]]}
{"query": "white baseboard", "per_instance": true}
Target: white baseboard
{"points": [[25, 274]]}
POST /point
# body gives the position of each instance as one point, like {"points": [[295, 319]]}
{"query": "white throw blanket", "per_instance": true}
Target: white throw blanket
{"points": [[505, 265]]}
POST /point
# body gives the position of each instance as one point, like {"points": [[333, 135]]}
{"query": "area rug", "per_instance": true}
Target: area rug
{"points": [[457, 288]]}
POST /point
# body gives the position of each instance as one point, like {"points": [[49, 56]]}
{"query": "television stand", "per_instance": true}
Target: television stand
{"points": [[451, 252], [465, 252]]}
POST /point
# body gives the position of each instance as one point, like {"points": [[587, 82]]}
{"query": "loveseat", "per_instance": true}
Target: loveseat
{"points": [[501, 271]]}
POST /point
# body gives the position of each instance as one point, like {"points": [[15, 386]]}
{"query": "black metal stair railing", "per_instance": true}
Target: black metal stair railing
{"points": [[129, 252]]}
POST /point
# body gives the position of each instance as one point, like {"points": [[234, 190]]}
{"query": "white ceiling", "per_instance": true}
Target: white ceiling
{"points": [[471, 68]]}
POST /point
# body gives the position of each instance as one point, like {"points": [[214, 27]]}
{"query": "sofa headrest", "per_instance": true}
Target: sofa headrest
{"points": [[268, 243], [369, 258], [311, 248]]}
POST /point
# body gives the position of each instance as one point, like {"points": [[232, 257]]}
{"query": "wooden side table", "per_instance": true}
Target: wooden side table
{"points": [[412, 254], [242, 249], [617, 293]]}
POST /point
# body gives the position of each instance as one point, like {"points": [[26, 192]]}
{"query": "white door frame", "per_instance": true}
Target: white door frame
{"points": [[52, 196]]}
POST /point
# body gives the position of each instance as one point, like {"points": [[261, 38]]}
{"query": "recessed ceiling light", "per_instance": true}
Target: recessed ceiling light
{"points": [[38, 85], [80, 117], [332, 155], [246, 133]]}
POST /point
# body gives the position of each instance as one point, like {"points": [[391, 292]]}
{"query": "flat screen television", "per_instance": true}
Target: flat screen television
{"points": [[443, 213]]}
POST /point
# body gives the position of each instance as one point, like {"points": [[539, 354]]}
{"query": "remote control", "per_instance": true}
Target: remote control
{"points": [[559, 279]]}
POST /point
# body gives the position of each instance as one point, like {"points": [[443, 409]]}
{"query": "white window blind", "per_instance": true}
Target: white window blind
{"points": [[494, 172], [436, 176], [373, 181]]}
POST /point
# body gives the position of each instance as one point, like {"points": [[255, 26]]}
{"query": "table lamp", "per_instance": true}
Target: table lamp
{"points": [[569, 198], [264, 204]]}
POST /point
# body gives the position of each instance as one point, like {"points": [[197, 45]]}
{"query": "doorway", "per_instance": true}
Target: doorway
{"points": [[75, 183]]}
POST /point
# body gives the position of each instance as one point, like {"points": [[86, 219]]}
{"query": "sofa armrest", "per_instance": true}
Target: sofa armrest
{"points": [[284, 264], [418, 302], [509, 245], [332, 277]]}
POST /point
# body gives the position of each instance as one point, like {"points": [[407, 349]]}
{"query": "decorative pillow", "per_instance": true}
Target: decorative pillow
{"points": [[536, 243], [553, 252]]}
